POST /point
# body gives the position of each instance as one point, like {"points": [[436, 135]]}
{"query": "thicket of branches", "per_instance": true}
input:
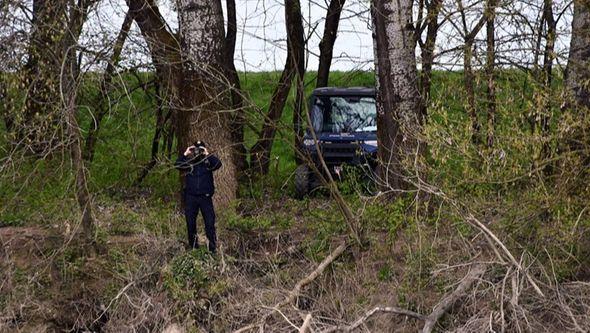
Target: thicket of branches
{"points": [[506, 152]]}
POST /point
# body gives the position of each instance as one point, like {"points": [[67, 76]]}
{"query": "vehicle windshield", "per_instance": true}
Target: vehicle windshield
{"points": [[344, 114]]}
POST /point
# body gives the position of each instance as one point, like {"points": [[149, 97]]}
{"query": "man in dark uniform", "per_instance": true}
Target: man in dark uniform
{"points": [[198, 191]]}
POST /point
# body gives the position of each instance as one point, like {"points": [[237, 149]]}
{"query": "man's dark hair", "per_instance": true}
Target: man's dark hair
{"points": [[199, 147], [200, 143]]}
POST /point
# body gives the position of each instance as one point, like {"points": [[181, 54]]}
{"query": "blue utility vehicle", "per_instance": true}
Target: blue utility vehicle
{"points": [[344, 121]]}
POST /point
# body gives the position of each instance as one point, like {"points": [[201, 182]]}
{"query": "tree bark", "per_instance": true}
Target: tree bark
{"points": [[164, 46], [260, 152], [164, 49], [204, 94], [56, 27], [545, 113], [327, 42], [69, 81], [578, 66], [398, 98], [490, 61], [82, 192], [469, 84], [468, 76], [41, 72], [298, 49], [427, 53], [237, 100], [294, 65]]}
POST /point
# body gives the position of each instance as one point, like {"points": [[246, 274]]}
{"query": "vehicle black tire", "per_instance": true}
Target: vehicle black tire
{"points": [[301, 181]]}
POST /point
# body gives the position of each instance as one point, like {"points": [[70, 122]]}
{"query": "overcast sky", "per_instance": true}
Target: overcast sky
{"points": [[261, 44], [261, 33]]}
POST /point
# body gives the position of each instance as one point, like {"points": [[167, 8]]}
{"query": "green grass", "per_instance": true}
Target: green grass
{"points": [[42, 192]]}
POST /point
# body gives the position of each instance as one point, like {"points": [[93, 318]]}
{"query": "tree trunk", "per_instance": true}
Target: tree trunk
{"points": [[548, 56], [327, 42], [204, 93], [578, 65], [6, 107], [101, 101], [69, 81], [164, 47], [298, 51], [427, 54], [161, 121], [82, 193], [490, 60], [56, 27], [41, 72], [468, 76], [260, 152], [398, 97], [238, 118], [469, 83]]}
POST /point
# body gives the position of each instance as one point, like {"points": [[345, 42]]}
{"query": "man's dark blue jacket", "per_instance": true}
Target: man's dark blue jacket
{"points": [[199, 173]]}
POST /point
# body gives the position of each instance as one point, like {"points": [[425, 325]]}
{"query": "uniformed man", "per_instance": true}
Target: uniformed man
{"points": [[198, 191]]}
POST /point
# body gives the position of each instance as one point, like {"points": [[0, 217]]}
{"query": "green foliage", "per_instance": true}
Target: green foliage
{"points": [[189, 274], [385, 273], [390, 217], [263, 221]]}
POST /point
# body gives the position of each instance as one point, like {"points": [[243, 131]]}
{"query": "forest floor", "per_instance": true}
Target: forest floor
{"points": [[135, 279], [52, 282]]}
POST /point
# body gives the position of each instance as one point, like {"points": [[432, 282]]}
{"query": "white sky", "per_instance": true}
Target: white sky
{"points": [[261, 36], [261, 44]]}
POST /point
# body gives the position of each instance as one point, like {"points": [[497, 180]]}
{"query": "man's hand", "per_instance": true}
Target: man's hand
{"points": [[189, 150], [205, 151]]}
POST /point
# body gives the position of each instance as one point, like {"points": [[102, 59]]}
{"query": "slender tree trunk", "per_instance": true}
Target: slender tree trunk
{"points": [[204, 94], [161, 121], [490, 61], [427, 54], [238, 118], [69, 79], [105, 88], [260, 152], [469, 83], [164, 49], [468, 76], [548, 56], [327, 42], [298, 51], [82, 193], [398, 97]]}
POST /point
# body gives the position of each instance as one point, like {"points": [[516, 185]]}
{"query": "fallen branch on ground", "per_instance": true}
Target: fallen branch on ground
{"points": [[306, 324], [370, 313], [447, 302], [294, 293], [429, 321]]}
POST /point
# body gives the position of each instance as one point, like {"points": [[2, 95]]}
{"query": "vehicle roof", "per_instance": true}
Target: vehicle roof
{"points": [[337, 91]]}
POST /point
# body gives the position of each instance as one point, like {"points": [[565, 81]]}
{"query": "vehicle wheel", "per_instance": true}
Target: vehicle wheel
{"points": [[301, 181]]}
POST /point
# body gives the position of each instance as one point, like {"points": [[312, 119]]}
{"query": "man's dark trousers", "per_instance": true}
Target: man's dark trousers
{"points": [[194, 204]]}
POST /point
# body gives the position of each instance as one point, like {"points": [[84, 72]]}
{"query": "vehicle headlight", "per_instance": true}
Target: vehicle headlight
{"points": [[308, 142], [371, 143]]}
